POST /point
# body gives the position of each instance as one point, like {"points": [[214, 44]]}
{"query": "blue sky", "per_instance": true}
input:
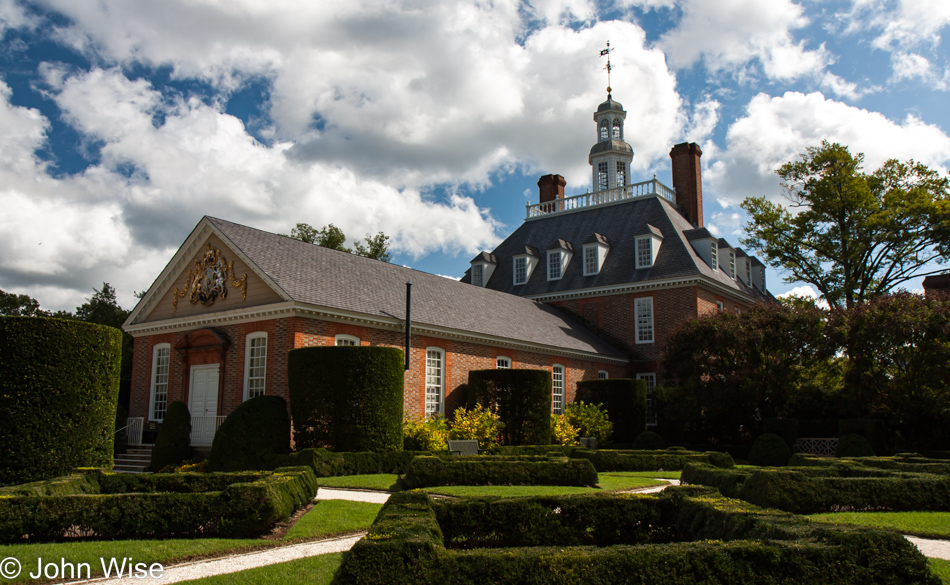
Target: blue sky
{"points": [[122, 123]]}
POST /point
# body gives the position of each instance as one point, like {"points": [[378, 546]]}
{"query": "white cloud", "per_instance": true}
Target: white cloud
{"points": [[805, 291], [775, 130], [13, 16], [703, 121], [844, 88], [906, 66], [727, 35]]}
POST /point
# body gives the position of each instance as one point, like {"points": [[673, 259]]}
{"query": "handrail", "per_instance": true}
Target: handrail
{"points": [[649, 188]]}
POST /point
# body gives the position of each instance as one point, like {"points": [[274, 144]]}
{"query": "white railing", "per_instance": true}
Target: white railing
{"points": [[644, 189], [203, 429], [822, 447], [132, 431]]}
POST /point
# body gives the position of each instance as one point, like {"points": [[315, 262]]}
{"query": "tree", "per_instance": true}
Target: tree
{"points": [[330, 236], [104, 309], [23, 305], [854, 235]]}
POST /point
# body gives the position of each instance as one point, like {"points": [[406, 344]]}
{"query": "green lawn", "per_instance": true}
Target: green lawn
{"points": [[615, 481], [332, 517], [384, 482], [923, 524], [310, 571], [941, 568]]}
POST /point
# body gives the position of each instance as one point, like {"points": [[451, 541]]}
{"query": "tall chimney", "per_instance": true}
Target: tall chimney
{"points": [[687, 181], [551, 187]]}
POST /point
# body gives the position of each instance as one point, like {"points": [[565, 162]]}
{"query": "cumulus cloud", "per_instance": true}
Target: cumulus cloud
{"points": [[805, 291], [907, 66], [727, 35], [775, 130]]}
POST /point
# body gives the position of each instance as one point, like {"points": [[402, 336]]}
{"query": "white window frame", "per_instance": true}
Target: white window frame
{"points": [[644, 251], [603, 374], [748, 273], [720, 306], [437, 385], [248, 347], [650, 377], [604, 132], [502, 362], [524, 275], [732, 264], [348, 340], [714, 255], [621, 175], [478, 274], [591, 259], [560, 264], [154, 384], [558, 384], [644, 331], [602, 182]]}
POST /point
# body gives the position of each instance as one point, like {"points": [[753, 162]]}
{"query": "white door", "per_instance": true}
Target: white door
{"points": [[203, 403]]}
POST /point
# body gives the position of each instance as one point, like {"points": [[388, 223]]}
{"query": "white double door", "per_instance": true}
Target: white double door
{"points": [[203, 403]]}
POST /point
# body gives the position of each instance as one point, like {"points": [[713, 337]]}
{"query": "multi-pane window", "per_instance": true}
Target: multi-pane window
{"points": [[503, 363], [347, 340], [604, 132], [719, 306], [554, 265], [161, 356], [644, 252], [591, 261], [557, 385], [732, 264], [644, 316], [714, 256], [521, 270], [255, 365], [616, 133], [621, 174], [602, 374], [748, 273], [602, 176], [435, 378], [651, 401], [478, 272]]}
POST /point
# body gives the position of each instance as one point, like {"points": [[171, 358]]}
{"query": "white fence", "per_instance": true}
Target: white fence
{"points": [[822, 447], [203, 429]]}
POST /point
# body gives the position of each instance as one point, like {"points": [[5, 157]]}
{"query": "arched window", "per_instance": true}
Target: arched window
{"points": [[161, 357], [255, 364], [351, 340], [621, 174], [616, 132], [604, 132]]}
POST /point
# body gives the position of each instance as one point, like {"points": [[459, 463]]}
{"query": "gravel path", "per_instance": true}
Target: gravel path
{"points": [[937, 549], [235, 563], [654, 489], [352, 495]]}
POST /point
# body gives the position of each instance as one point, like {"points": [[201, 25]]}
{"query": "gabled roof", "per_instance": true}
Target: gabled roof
{"points": [[312, 277], [620, 224]]}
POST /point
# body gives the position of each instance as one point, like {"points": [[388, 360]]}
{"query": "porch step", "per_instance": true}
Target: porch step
{"points": [[136, 459]]}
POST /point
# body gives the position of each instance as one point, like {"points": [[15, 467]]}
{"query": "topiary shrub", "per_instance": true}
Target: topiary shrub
{"points": [[770, 450], [626, 401], [251, 436], [853, 445], [522, 398], [347, 398], [59, 385], [173, 444], [648, 440], [121, 419], [426, 434]]}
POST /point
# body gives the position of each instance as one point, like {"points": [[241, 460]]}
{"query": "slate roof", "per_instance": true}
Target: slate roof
{"points": [[318, 276], [620, 224]]}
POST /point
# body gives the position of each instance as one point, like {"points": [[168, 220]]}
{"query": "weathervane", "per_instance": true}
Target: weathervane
{"points": [[606, 53]]}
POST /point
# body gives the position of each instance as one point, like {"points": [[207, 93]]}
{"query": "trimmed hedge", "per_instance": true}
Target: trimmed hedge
{"points": [[173, 444], [59, 385], [625, 400], [325, 463], [693, 535], [910, 463], [240, 505], [251, 436], [770, 450], [669, 460], [522, 399], [648, 440], [727, 481], [347, 398], [853, 445], [432, 471]]}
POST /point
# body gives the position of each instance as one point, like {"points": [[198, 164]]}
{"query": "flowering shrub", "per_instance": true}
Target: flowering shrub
{"points": [[562, 431], [428, 434], [479, 423], [590, 420]]}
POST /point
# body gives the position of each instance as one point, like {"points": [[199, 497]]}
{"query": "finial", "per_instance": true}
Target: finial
{"points": [[603, 53]]}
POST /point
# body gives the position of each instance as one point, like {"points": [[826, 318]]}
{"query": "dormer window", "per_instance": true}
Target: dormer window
{"points": [[732, 263], [595, 251], [521, 270], [523, 265], [714, 255], [748, 272], [591, 266], [648, 244], [482, 268], [554, 265], [478, 275]]}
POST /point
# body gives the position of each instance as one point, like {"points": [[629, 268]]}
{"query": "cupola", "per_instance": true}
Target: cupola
{"points": [[610, 157]]}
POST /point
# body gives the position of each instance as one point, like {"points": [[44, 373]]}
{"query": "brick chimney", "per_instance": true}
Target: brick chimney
{"points": [[551, 187], [687, 181]]}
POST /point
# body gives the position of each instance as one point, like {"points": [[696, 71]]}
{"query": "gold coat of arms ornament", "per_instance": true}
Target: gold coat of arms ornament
{"points": [[208, 280]]}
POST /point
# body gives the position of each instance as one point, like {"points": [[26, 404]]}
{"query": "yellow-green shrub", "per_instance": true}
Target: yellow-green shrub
{"points": [[478, 423], [562, 431], [426, 434]]}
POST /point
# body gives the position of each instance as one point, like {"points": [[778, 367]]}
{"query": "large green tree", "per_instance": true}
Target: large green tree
{"points": [[330, 236], [19, 305], [851, 234]]}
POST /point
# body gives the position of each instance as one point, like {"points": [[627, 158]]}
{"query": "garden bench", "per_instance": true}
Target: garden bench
{"points": [[589, 442], [463, 447]]}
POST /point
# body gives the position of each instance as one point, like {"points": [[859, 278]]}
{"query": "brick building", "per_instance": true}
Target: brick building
{"points": [[589, 286]]}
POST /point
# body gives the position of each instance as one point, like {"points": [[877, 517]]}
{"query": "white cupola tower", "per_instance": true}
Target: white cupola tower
{"points": [[610, 157]]}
